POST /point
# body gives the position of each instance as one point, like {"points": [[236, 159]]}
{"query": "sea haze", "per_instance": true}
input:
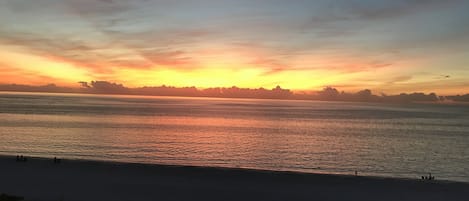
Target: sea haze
{"points": [[396, 140]]}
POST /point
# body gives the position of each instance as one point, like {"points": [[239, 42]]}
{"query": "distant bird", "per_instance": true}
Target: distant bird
{"points": [[442, 77], [445, 76]]}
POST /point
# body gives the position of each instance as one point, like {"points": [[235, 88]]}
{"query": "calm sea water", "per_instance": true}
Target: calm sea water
{"points": [[407, 140]]}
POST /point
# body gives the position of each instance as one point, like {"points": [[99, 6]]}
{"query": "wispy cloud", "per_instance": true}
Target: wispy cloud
{"points": [[401, 78]]}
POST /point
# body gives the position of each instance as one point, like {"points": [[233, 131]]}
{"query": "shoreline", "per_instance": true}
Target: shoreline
{"points": [[222, 168], [42, 179], [246, 169]]}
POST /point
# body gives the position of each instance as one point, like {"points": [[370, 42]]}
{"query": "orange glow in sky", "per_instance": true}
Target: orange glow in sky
{"points": [[299, 46]]}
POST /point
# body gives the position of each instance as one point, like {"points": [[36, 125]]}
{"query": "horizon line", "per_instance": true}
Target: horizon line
{"points": [[328, 93]]}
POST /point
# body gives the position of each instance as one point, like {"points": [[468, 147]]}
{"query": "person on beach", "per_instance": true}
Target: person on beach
{"points": [[20, 158], [430, 177], [57, 160]]}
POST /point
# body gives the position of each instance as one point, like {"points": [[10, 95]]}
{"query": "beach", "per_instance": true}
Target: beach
{"points": [[42, 179]]}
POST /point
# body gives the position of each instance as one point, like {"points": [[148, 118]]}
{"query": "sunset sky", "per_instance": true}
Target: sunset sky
{"points": [[386, 46]]}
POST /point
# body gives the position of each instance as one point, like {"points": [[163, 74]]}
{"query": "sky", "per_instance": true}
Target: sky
{"points": [[388, 46]]}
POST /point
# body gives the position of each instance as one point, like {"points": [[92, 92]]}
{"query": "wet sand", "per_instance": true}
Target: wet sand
{"points": [[40, 179]]}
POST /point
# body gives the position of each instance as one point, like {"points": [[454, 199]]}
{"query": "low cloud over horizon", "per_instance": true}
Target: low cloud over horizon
{"points": [[386, 46], [325, 94]]}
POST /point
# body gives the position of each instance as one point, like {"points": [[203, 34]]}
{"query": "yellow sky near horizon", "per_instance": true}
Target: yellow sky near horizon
{"points": [[40, 70]]}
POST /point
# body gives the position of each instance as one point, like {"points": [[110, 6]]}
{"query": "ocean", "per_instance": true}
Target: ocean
{"points": [[374, 139]]}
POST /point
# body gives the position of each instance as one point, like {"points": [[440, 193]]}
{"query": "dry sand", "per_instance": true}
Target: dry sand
{"points": [[41, 179]]}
